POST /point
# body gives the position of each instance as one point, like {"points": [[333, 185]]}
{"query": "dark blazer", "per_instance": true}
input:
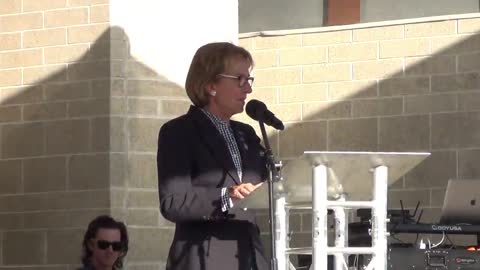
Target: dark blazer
{"points": [[193, 165]]}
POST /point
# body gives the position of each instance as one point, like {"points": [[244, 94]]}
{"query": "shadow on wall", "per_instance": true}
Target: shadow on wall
{"points": [[431, 105], [71, 144]]}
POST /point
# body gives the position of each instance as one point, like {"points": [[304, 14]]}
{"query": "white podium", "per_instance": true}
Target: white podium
{"points": [[339, 181]]}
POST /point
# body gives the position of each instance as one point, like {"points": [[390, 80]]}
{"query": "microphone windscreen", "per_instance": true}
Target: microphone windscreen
{"points": [[255, 109]]}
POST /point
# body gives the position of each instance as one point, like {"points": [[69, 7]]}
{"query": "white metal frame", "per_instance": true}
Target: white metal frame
{"points": [[320, 205]]}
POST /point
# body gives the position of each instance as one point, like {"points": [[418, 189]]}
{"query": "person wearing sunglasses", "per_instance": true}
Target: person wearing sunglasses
{"points": [[105, 244], [208, 162]]}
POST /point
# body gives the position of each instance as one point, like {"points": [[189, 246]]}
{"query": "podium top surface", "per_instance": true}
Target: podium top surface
{"points": [[349, 173]]}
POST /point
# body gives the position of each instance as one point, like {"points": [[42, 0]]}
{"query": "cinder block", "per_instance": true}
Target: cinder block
{"points": [[23, 58], [46, 219], [303, 56], [471, 25], [435, 171], [404, 86], [404, 133], [88, 172], [456, 82], [142, 106], [108, 134], [19, 22], [286, 41], [429, 29], [300, 137], [149, 244], [143, 199], [51, 73], [377, 107], [65, 54], [455, 44], [430, 65], [352, 52], [455, 130], [142, 171], [277, 76], [379, 33], [143, 217], [143, 134], [66, 17], [154, 88], [352, 90], [89, 70], [42, 5], [21, 95], [11, 180], [303, 92], [67, 91], [407, 47], [469, 62], [326, 38], [430, 103], [45, 111], [288, 112], [45, 174], [74, 3], [265, 58], [58, 252], [10, 6], [327, 73], [42, 38], [22, 140], [90, 107], [10, 77], [68, 136], [99, 13], [10, 114], [468, 164], [86, 33], [81, 200], [326, 110], [10, 41], [378, 69], [469, 101], [15, 243], [340, 135], [10, 222], [266, 94]]}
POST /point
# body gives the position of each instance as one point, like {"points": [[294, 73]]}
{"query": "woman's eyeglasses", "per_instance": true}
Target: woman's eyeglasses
{"points": [[104, 244], [241, 79]]}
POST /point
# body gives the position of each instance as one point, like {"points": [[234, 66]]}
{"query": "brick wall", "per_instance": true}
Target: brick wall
{"points": [[404, 87], [55, 107]]}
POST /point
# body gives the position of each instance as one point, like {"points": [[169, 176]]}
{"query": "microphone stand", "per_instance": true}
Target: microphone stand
{"points": [[274, 176]]}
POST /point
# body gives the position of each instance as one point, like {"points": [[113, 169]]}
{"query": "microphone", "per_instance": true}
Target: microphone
{"points": [[257, 110]]}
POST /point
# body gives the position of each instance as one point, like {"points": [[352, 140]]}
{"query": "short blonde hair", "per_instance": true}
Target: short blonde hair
{"points": [[209, 61]]}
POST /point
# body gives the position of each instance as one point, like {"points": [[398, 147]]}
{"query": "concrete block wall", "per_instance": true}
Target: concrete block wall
{"points": [[55, 146], [411, 86]]}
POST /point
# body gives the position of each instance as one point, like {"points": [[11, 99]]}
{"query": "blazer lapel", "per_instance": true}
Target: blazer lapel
{"points": [[214, 141]]}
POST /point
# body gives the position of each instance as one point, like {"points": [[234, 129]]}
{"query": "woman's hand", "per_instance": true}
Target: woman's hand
{"points": [[243, 190]]}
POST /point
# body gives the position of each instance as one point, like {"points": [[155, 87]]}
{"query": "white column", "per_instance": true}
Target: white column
{"points": [[341, 234], [319, 218], [379, 215]]}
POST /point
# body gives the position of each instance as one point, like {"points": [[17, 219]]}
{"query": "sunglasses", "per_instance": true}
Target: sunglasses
{"points": [[103, 244]]}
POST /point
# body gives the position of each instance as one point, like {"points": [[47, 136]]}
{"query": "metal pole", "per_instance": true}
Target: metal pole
{"points": [[379, 215], [319, 218]]}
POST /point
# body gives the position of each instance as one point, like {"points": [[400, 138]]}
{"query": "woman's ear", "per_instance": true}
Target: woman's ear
{"points": [[210, 88]]}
